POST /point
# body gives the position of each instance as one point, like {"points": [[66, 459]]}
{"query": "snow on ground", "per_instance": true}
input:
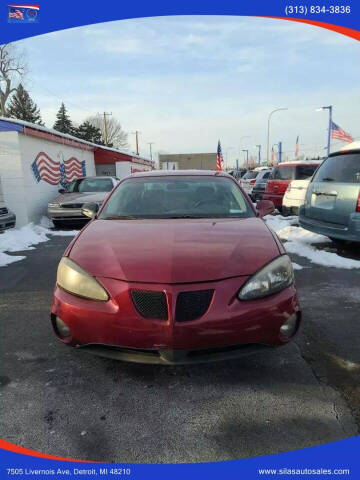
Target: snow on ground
{"points": [[24, 238], [300, 241]]}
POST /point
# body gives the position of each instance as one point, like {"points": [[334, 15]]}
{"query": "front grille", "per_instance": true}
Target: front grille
{"points": [[4, 211], [150, 304], [71, 205], [192, 305]]}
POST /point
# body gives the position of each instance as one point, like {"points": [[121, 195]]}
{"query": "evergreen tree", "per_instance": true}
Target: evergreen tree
{"points": [[63, 123], [88, 132], [22, 107]]}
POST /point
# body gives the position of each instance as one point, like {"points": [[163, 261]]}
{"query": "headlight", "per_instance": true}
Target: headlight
{"points": [[74, 279], [273, 278]]}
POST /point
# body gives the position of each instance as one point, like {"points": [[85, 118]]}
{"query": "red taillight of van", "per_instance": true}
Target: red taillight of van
{"points": [[358, 204], [252, 181]]}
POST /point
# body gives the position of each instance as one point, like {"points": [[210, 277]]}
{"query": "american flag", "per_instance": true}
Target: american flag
{"points": [[16, 14], [74, 169], [219, 158], [297, 147], [44, 168], [340, 134], [55, 172]]}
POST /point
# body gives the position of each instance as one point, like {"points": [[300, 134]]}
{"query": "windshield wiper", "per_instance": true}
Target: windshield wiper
{"points": [[185, 216], [118, 217]]}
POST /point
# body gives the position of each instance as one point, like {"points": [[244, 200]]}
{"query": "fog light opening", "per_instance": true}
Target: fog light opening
{"points": [[61, 328], [289, 327]]}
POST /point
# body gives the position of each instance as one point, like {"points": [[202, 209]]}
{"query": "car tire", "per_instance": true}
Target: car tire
{"points": [[339, 242], [58, 223]]}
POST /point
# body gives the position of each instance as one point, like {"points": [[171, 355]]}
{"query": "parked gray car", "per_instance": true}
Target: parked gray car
{"points": [[260, 184], [65, 209], [7, 217], [332, 202]]}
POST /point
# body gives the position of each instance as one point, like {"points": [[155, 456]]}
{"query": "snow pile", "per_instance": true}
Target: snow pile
{"points": [[300, 241], [25, 238]]}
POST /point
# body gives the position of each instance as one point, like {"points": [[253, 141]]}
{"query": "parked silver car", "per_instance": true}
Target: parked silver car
{"points": [[66, 207], [332, 201]]}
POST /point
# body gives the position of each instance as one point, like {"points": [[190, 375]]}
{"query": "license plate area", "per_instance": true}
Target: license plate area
{"points": [[324, 201]]}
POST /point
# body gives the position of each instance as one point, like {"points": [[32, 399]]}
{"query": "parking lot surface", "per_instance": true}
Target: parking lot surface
{"points": [[65, 402]]}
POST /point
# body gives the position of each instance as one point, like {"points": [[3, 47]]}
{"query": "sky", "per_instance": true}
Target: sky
{"points": [[185, 82]]}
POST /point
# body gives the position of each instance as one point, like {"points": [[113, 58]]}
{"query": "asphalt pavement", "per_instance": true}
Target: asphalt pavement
{"points": [[66, 402]]}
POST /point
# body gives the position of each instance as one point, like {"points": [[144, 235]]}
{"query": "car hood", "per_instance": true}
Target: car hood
{"points": [[79, 197], [174, 251]]}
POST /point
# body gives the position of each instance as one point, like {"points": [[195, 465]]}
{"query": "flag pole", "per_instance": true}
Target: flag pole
{"points": [[329, 132]]}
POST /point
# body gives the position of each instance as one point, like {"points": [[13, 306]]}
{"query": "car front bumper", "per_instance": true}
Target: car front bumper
{"points": [[66, 214], [7, 221], [228, 328]]}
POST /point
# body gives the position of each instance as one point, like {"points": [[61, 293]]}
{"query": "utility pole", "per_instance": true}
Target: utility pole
{"points": [[105, 127], [136, 133], [150, 147]]}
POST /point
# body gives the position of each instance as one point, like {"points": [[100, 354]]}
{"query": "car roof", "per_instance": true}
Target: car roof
{"points": [[177, 173], [345, 152], [299, 163]]}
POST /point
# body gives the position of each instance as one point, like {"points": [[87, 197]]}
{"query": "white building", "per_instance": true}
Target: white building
{"points": [[36, 161]]}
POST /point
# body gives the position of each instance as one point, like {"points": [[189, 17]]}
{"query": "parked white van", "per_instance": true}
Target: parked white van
{"points": [[295, 195]]}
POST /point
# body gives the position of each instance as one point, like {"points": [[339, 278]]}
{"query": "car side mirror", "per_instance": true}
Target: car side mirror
{"points": [[264, 207], [90, 209], [61, 190]]}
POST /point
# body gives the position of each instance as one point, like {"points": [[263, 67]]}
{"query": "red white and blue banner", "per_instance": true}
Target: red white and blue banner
{"points": [[19, 21]]}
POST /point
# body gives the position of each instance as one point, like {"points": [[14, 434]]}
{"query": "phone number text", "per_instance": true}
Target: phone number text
{"points": [[317, 9]]}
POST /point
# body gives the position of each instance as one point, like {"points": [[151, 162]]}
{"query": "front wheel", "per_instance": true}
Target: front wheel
{"points": [[58, 223], [339, 242]]}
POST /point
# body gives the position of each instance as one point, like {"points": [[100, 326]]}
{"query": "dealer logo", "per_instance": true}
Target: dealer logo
{"points": [[23, 13]]}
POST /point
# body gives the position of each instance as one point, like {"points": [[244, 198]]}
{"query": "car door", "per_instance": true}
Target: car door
{"points": [[280, 179], [333, 193]]}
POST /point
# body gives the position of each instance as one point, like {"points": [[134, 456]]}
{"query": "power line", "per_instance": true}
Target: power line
{"points": [[62, 99]]}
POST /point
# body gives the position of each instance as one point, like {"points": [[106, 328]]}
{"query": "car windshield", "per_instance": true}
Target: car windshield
{"points": [[90, 185], [177, 197], [340, 168], [250, 175], [263, 176]]}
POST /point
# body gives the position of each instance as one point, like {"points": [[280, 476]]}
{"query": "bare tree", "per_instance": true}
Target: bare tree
{"points": [[116, 137], [12, 70]]}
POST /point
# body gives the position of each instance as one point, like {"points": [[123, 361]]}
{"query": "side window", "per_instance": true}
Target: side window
{"points": [[305, 171], [266, 175]]}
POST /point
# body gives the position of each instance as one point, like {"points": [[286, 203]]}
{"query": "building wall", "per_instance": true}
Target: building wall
{"points": [[187, 161], [123, 169], [11, 174], [23, 193]]}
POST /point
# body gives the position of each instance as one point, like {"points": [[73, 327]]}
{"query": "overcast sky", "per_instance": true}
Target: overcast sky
{"points": [[185, 82]]}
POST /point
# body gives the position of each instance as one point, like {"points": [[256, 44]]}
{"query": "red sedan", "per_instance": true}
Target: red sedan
{"points": [[176, 267]]}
